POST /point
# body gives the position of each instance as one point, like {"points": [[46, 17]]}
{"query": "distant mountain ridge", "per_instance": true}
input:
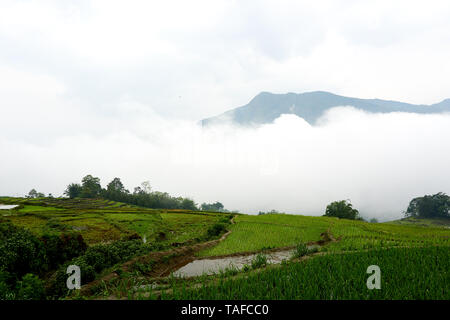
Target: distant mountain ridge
{"points": [[266, 107]]}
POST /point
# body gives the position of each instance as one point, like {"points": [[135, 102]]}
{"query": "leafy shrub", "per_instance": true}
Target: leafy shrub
{"points": [[97, 258], [216, 229], [226, 219], [260, 260], [61, 248], [5, 292], [20, 251], [30, 288], [300, 250], [87, 270], [102, 256], [143, 268], [57, 285], [342, 209], [6, 282]]}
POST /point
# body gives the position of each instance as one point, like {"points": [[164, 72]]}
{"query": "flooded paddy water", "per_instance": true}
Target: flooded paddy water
{"points": [[7, 206], [216, 265]]}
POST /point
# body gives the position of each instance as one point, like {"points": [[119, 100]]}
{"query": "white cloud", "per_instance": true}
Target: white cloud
{"points": [[196, 59], [89, 86], [379, 161]]}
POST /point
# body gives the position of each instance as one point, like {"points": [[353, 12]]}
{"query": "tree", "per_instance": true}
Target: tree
{"points": [[32, 194], [429, 206], [217, 206], [90, 187], [116, 191], [146, 187], [342, 209], [138, 190], [115, 186], [188, 204], [73, 190]]}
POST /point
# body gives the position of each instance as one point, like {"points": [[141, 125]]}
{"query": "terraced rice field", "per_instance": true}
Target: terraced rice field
{"points": [[414, 256], [359, 235], [101, 220], [253, 233], [406, 273]]}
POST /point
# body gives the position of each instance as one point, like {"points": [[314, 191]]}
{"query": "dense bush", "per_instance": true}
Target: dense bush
{"points": [[216, 229], [60, 248], [97, 258], [23, 257], [20, 251], [342, 209], [7, 282], [102, 256], [430, 206], [30, 288], [57, 285], [226, 219]]}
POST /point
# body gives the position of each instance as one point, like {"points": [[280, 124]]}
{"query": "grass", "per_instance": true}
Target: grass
{"points": [[300, 250], [99, 220], [179, 227], [360, 235], [259, 261], [253, 233], [442, 222], [34, 208], [406, 273], [413, 254]]}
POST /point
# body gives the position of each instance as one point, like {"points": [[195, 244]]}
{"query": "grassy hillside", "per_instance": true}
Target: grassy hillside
{"points": [[102, 221], [252, 233], [131, 247], [410, 221], [359, 235], [404, 275]]}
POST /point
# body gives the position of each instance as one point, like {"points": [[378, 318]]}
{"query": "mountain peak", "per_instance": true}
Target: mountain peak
{"points": [[265, 107], [443, 103]]}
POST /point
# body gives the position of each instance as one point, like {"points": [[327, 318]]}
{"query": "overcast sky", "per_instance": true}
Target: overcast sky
{"points": [[112, 87]]}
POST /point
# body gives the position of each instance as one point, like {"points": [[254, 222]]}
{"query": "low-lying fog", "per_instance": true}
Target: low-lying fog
{"points": [[378, 161]]}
